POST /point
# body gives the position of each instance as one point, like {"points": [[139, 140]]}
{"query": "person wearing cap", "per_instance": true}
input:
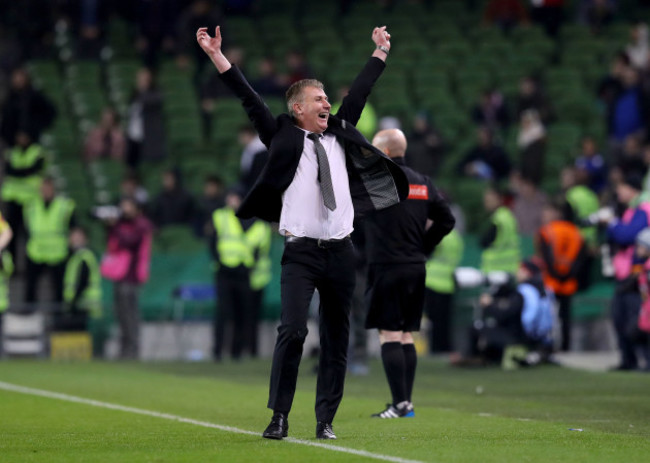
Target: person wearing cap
{"points": [[398, 241], [236, 246], [622, 233]]}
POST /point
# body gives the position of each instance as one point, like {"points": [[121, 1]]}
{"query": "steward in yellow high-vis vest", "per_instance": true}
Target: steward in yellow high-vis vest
{"points": [[440, 289], [82, 281], [240, 250], [501, 244], [24, 168], [47, 220]]}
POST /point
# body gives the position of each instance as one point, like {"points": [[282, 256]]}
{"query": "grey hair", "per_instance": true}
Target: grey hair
{"points": [[295, 92]]}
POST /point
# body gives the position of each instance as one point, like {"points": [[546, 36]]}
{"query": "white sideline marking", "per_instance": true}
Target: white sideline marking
{"points": [[180, 419]]}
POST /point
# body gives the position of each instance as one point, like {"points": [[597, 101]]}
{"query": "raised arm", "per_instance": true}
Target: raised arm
{"points": [[355, 100], [212, 47], [255, 108]]}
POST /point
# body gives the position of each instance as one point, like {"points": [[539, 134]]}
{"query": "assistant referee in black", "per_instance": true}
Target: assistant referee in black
{"points": [[398, 241]]}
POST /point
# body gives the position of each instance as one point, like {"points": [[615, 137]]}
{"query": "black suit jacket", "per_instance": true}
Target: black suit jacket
{"points": [[375, 181]]}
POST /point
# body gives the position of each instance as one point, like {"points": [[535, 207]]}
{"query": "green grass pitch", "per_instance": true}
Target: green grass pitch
{"points": [[520, 416]]}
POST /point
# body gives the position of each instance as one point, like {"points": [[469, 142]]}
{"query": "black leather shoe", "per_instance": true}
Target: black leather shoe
{"points": [[324, 431], [278, 428]]}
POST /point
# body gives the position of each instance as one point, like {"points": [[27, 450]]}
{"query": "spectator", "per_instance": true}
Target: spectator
{"points": [[642, 267], [253, 158], [598, 14], [211, 200], [105, 140], [486, 161], [500, 241], [268, 82], [629, 158], [25, 110], [564, 252], [297, 67], [491, 112], [549, 14], [425, 146], [514, 317], [581, 202], [174, 204], [234, 247], [48, 219], [24, 167], [145, 128], [88, 21], [531, 142], [611, 86], [440, 289], [528, 205], [82, 293], [638, 48], [199, 13], [368, 122], [627, 300], [126, 263], [628, 111], [130, 187], [505, 14], [156, 29], [531, 96], [592, 163]]}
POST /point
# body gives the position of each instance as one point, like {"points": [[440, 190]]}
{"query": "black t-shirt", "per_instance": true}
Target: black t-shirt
{"points": [[398, 234]]}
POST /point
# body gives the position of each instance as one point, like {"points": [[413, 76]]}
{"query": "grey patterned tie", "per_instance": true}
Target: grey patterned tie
{"points": [[324, 177]]}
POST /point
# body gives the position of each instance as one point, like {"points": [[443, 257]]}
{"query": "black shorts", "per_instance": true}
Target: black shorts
{"points": [[395, 296]]}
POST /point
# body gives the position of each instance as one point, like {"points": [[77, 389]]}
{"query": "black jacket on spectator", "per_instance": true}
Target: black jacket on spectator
{"points": [[26, 111]]}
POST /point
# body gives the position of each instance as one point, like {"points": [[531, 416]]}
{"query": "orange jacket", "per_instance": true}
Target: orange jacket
{"points": [[561, 246]]}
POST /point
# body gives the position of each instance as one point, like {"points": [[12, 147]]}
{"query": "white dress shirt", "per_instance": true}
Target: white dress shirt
{"points": [[303, 212]]}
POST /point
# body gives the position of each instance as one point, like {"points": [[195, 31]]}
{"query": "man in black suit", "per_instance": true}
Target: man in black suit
{"points": [[321, 172]]}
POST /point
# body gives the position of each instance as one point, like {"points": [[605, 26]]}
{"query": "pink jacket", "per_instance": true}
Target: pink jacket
{"points": [[622, 260], [128, 252]]}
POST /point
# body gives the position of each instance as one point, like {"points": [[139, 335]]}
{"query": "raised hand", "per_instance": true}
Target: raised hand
{"points": [[210, 45], [381, 37]]}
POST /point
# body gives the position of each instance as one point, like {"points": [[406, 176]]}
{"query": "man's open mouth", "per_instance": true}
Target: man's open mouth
{"points": [[323, 115]]}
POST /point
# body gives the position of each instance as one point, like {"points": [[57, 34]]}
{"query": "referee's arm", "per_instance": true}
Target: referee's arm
{"points": [[443, 221]]}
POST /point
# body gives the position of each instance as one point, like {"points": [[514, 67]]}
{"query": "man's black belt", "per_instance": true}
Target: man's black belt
{"points": [[321, 243]]}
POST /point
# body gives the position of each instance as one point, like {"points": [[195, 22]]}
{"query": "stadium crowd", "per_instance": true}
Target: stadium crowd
{"points": [[596, 215]]}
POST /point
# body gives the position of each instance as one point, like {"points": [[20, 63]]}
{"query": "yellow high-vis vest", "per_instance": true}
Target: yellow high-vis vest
{"points": [[22, 190], [91, 297], [48, 229], [504, 254]]}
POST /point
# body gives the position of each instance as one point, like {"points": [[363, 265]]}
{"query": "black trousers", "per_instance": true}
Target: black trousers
{"points": [[564, 314], [56, 273], [305, 267], [233, 305], [13, 214], [438, 307]]}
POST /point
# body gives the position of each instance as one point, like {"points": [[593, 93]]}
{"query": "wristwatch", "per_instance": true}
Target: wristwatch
{"points": [[383, 48]]}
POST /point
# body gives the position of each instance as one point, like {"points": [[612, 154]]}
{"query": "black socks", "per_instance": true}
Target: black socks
{"points": [[410, 362], [392, 356]]}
